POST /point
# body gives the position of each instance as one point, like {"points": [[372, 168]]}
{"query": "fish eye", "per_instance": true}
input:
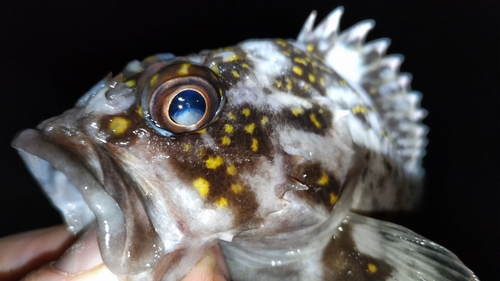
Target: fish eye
{"points": [[181, 98], [187, 107]]}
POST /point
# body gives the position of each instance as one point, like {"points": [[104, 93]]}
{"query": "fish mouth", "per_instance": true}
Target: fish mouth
{"points": [[59, 173], [127, 241]]}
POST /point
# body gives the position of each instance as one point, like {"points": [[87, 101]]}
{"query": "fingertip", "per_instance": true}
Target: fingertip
{"points": [[203, 270], [211, 267], [221, 265], [83, 255], [50, 273], [24, 252]]}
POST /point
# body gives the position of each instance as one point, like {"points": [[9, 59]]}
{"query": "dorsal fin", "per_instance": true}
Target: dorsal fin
{"points": [[366, 66]]}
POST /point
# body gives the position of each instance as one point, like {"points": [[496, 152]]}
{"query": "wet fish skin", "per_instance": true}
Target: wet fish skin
{"points": [[281, 141]]}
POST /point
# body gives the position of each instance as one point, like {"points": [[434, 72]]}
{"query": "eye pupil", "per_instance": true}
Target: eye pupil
{"points": [[187, 107]]}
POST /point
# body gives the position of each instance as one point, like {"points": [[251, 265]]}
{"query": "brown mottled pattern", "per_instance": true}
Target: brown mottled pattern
{"points": [[237, 154], [317, 119], [322, 184], [129, 137], [242, 135], [342, 261], [231, 70], [307, 71]]}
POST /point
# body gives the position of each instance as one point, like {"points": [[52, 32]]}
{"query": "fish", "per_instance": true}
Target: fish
{"points": [[278, 150]]}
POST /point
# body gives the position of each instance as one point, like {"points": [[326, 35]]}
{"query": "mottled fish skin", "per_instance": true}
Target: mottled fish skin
{"points": [[291, 140]]}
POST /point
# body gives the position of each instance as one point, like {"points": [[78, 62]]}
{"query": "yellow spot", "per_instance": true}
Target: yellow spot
{"points": [[226, 141], [297, 111], [320, 111], [153, 79], [286, 53], [312, 78], [323, 180], [264, 120], [315, 121], [236, 188], [308, 59], [300, 60], [358, 109], [228, 128], [333, 198], [130, 83], [278, 83], [231, 58], [322, 81], [187, 147], [221, 202], [202, 186], [281, 42], [202, 131], [139, 111], [231, 170], [231, 116], [214, 162], [235, 73], [372, 268], [342, 82], [249, 128], [118, 125], [289, 83], [306, 86], [202, 152], [184, 70], [246, 112], [215, 68], [297, 70], [245, 65], [310, 47], [255, 145]]}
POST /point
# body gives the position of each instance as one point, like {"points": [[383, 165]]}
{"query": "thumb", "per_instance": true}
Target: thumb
{"points": [[211, 267], [82, 261]]}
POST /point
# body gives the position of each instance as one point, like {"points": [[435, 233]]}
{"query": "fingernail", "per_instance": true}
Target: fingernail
{"points": [[83, 255]]}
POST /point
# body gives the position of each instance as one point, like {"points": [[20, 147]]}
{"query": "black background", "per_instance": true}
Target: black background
{"points": [[53, 51]]}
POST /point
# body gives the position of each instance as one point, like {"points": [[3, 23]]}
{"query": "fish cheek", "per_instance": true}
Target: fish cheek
{"points": [[136, 245], [214, 176]]}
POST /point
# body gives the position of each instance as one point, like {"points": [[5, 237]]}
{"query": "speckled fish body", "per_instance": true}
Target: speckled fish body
{"points": [[265, 147]]}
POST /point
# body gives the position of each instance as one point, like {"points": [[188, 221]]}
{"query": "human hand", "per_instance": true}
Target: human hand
{"points": [[33, 253]]}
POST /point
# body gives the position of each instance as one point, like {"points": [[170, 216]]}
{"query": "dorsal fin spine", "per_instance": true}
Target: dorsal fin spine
{"points": [[367, 66]]}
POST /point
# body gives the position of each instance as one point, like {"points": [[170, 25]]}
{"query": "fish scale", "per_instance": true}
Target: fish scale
{"points": [[268, 148]]}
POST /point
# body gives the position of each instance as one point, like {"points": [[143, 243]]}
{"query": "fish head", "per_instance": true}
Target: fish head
{"points": [[177, 152]]}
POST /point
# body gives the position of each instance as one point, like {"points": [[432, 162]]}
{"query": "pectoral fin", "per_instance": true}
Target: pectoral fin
{"points": [[370, 249]]}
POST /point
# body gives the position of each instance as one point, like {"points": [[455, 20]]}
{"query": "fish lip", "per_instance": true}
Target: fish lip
{"points": [[59, 165], [48, 162]]}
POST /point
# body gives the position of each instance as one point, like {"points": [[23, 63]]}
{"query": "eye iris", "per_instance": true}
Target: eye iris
{"points": [[187, 108]]}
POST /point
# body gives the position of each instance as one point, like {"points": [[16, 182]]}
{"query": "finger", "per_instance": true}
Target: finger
{"points": [[220, 263], [82, 261], [22, 253], [211, 267], [83, 255], [49, 273]]}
